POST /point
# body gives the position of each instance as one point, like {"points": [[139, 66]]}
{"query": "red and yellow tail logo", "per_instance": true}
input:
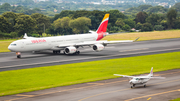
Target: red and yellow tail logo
{"points": [[103, 26]]}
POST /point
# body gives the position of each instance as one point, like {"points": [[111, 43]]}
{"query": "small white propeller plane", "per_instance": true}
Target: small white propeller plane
{"points": [[140, 80], [69, 44]]}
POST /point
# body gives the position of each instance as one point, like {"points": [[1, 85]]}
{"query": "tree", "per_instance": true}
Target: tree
{"points": [[153, 19], [65, 24], [126, 27], [4, 24], [42, 22], [138, 26], [114, 29], [130, 22], [164, 24], [57, 26], [144, 7], [96, 18], [62, 25], [24, 24], [6, 7], [114, 15], [80, 25], [10, 16], [120, 23], [147, 27], [141, 17], [158, 27], [171, 17], [177, 6], [64, 13], [157, 9], [177, 24]]}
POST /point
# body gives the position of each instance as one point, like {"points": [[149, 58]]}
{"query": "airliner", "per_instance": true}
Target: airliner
{"points": [[69, 44], [140, 80]]}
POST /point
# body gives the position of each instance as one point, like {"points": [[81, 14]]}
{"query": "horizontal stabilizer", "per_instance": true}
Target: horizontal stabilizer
{"points": [[26, 37]]}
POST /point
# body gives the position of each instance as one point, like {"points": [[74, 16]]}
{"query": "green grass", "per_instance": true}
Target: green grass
{"points": [[4, 45], [25, 80], [178, 99]]}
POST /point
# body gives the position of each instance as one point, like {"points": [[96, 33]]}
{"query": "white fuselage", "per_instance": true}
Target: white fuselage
{"points": [[139, 80], [49, 43]]}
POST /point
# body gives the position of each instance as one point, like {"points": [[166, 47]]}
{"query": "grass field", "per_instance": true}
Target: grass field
{"points": [[178, 99], [125, 36], [25, 80]]}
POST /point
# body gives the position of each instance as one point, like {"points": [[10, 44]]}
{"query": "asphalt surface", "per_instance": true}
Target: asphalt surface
{"points": [[8, 61], [109, 90], [106, 90]]}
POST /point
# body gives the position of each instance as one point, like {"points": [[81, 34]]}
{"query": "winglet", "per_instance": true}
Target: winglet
{"points": [[136, 39]]}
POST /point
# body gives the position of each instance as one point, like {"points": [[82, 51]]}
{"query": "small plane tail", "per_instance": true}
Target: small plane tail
{"points": [[151, 72], [101, 31]]}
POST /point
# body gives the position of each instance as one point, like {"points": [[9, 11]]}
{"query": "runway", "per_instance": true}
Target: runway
{"points": [[8, 61], [109, 90]]}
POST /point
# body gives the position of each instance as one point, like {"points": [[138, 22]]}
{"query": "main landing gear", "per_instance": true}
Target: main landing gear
{"points": [[133, 86], [56, 51], [144, 85], [18, 54]]}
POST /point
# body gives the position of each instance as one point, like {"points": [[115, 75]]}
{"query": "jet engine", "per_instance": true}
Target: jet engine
{"points": [[98, 47], [70, 50]]}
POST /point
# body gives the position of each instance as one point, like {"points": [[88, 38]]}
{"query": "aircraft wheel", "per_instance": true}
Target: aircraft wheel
{"points": [[78, 52], [131, 86], [58, 51], [18, 56], [145, 86]]}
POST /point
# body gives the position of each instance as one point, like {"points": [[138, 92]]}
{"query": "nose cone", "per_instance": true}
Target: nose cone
{"points": [[10, 48]]}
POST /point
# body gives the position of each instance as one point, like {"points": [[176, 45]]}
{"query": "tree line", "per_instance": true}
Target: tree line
{"points": [[68, 22]]}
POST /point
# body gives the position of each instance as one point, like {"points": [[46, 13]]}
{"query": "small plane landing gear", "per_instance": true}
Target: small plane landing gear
{"points": [[18, 54], [144, 85], [133, 86]]}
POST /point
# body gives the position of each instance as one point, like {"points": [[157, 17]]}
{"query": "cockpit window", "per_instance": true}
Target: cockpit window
{"points": [[137, 78], [13, 44]]}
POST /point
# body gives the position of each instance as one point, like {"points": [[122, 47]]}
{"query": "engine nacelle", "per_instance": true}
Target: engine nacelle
{"points": [[70, 50], [98, 47]]}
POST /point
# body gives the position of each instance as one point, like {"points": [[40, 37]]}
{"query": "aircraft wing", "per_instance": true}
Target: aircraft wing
{"points": [[146, 77], [124, 75], [88, 43], [158, 77]]}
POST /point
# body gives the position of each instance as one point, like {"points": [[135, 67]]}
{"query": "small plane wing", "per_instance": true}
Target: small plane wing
{"points": [[158, 77], [124, 75]]}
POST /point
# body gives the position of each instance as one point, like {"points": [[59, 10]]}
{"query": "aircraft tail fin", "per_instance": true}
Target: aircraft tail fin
{"points": [[103, 25], [151, 72], [101, 31]]}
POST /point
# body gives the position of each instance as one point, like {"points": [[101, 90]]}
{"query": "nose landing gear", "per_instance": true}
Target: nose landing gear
{"points": [[18, 54]]}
